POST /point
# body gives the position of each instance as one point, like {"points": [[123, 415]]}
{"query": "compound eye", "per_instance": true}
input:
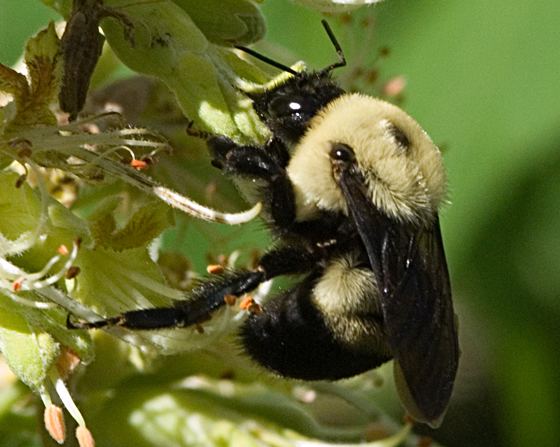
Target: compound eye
{"points": [[287, 105], [342, 152]]}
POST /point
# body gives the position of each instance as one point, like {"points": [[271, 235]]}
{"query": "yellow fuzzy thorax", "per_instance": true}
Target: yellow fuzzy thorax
{"points": [[408, 184]]}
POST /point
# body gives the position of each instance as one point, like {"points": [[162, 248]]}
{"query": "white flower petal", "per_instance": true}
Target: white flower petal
{"points": [[336, 5]]}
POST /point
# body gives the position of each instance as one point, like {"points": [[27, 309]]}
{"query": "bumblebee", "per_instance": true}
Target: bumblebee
{"points": [[351, 187]]}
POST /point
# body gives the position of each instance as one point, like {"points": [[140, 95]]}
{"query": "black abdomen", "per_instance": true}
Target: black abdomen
{"points": [[290, 337]]}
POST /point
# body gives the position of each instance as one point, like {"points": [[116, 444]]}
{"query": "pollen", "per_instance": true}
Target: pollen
{"points": [[84, 437], [215, 269], [138, 164], [63, 250], [72, 272], [230, 299], [255, 308], [54, 423], [246, 302], [66, 363], [249, 304], [21, 179], [17, 284]]}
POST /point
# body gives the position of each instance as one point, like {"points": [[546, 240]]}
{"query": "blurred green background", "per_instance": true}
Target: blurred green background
{"points": [[483, 78]]}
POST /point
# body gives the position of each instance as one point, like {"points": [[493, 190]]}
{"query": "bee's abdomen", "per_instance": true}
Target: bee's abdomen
{"points": [[291, 337]]}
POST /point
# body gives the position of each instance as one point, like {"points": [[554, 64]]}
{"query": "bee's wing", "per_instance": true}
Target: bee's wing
{"points": [[419, 319], [411, 270]]}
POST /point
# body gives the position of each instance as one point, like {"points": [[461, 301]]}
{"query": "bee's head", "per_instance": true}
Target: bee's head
{"points": [[287, 107]]}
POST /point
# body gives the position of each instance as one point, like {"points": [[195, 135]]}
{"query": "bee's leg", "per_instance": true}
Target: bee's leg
{"points": [[196, 309], [264, 163], [210, 295], [247, 160]]}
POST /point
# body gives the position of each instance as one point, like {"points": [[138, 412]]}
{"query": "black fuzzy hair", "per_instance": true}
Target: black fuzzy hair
{"points": [[316, 88]]}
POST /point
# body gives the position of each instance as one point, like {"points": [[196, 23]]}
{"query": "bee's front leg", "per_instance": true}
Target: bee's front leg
{"points": [[243, 161], [265, 164]]}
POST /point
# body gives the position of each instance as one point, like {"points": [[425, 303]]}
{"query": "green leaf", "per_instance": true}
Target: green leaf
{"points": [[214, 416], [44, 68], [226, 22], [145, 225], [64, 7], [25, 215], [19, 207], [29, 353], [13, 83], [168, 44], [64, 219], [102, 221], [41, 59], [117, 281]]}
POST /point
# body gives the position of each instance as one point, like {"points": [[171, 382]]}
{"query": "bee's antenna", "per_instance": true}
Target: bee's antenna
{"points": [[266, 59], [340, 63], [341, 59]]}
